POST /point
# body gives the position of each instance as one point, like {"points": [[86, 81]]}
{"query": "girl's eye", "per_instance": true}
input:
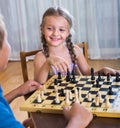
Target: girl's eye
{"points": [[62, 30], [49, 28]]}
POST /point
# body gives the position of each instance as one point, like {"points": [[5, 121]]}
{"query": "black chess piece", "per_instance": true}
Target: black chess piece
{"points": [[59, 75], [68, 78], [55, 81], [99, 76], [73, 79], [108, 77], [97, 83], [117, 77], [110, 92], [92, 74], [62, 92]]}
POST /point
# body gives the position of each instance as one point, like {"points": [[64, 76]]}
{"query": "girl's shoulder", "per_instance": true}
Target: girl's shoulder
{"points": [[77, 49], [40, 55]]}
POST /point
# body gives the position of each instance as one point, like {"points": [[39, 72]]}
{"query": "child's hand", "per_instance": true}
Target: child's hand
{"points": [[78, 116], [59, 63], [111, 71], [28, 87]]}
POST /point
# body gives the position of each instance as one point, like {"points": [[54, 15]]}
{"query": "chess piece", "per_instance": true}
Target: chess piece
{"points": [[97, 83], [62, 92], [67, 101], [55, 88], [76, 96], [108, 77], [110, 92], [39, 100], [99, 76], [92, 76], [68, 76], [73, 79], [80, 93], [57, 100], [89, 97], [55, 81], [107, 103], [59, 75], [117, 77], [97, 102], [70, 94], [100, 97]]}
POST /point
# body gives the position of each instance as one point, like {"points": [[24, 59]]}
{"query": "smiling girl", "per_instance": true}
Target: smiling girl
{"points": [[59, 53]]}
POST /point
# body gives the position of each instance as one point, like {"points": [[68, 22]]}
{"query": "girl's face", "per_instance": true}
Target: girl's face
{"points": [[55, 29]]}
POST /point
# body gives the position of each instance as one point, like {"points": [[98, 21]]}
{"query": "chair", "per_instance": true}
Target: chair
{"points": [[23, 58], [24, 55], [84, 46]]}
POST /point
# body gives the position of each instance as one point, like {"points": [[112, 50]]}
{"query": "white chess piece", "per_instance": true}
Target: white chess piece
{"points": [[89, 97], [97, 102], [76, 96], [57, 100], [39, 100], [67, 101]]}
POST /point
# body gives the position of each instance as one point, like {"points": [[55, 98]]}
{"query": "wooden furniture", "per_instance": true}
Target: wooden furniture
{"points": [[84, 46], [23, 57]]}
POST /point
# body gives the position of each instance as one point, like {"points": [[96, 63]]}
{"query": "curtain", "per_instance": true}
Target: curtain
{"points": [[94, 21]]}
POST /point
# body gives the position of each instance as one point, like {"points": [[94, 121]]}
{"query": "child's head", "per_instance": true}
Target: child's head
{"points": [[4, 45], [59, 14], [57, 11]]}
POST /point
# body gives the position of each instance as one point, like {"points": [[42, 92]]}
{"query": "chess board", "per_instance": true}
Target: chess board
{"points": [[101, 98]]}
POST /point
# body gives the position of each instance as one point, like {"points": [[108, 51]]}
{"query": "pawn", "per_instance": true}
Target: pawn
{"points": [[117, 77], [67, 101], [97, 83], [76, 96], [110, 92], [107, 103], [108, 77], [55, 81], [68, 76], [97, 102], [59, 75], [89, 97], [39, 100], [99, 76], [100, 97], [79, 94], [70, 94], [57, 100]]}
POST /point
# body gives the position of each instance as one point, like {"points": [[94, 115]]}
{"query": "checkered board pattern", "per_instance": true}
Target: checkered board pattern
{"points": [[86, 85]]}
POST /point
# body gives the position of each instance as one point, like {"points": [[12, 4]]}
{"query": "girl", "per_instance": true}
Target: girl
{"points": [[59, 54]]}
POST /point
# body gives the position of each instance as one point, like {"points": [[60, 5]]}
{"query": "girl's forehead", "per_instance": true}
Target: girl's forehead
{"points": [[55, 19]]}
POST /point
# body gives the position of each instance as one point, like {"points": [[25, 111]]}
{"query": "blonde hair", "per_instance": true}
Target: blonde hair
{"points": [[3, 31]]}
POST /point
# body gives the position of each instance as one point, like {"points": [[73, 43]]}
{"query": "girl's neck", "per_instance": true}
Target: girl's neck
{"points": [[59, 49]]}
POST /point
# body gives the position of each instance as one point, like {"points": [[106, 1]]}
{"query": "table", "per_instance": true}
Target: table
{"points": [[44, 120]]}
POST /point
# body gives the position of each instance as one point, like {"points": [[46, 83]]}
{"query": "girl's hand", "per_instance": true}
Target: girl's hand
{"points": [[59, 63]]}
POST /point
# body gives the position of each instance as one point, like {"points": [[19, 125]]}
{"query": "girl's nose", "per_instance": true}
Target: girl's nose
{"points": [[55, 32]]}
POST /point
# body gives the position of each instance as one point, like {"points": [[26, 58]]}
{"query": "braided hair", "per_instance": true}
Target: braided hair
{"points": [[57, 11]]}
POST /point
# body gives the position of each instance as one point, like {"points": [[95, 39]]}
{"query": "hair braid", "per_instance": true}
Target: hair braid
{"points": [[70, 47]]}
